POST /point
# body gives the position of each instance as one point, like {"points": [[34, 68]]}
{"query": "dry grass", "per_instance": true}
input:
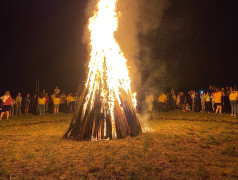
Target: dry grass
{"points": [[183, 146]]}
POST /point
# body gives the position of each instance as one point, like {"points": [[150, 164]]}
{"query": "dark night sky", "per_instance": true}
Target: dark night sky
{"points": [[42, 39]]}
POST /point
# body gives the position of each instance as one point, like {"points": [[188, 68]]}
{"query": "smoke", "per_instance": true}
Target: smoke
{"points": [[139, 22]]}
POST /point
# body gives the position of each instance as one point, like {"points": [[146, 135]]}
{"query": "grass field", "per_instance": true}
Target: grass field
{"points": [[182, 146]]}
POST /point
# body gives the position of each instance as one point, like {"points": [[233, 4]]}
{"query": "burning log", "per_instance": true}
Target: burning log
{"points": [[97, 123], [106, 109]]}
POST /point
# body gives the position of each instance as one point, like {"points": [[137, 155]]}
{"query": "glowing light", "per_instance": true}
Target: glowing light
{"points": [[108, 74]]}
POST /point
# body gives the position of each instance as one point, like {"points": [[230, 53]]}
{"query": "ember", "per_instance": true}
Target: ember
{"points": [[107, 104]]}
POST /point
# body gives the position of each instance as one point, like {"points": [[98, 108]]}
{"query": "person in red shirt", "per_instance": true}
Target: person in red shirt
{"points": [[6, 106], [47, 99]]}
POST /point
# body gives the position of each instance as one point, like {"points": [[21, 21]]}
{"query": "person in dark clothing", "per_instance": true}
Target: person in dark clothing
{"points": [[34, 105], [189, 99], [197, 102], [210, 89], [182, 100], [226, 106], [27, 101]]}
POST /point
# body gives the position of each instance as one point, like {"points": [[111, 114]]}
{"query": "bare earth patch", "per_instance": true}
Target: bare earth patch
{"points": [[182, 146]]}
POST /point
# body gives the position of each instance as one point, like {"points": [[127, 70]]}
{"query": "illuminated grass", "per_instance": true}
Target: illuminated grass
{"points": [[183, 146]]}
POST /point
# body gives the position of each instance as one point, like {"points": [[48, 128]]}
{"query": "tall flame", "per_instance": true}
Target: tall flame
{"points": [[114, 77]]}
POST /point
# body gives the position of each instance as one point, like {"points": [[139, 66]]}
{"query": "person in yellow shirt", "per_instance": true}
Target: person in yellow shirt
{"points": [[233, 100], [208, 102], [56, 103], [218, 103], [162, 101], [41, 103], [70, 102]]}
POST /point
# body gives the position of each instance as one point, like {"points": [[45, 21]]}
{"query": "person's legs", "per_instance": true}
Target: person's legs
{"points": [[19, 110], [150, 107], [235, 108], [232, 108], [27, 110], [196, 107], [7, 113], [43, 109], [217, 108], [46, 107], [193, 107], [54, 110], [2, 113], [203, 106], [206, 107], [40, 110]]}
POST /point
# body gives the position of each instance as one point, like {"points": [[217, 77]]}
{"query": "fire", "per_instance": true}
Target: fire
{"points": [[106, 52], [107, 103]]}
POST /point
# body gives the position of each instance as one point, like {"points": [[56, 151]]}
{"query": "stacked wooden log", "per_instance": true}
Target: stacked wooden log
{"points": [[96, 122]]}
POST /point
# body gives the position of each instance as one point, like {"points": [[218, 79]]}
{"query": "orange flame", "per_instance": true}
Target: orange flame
{"points": [[108, 71]]}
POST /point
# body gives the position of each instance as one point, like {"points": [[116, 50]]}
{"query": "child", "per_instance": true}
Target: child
{"points": [[12, 110], [186, 108]]}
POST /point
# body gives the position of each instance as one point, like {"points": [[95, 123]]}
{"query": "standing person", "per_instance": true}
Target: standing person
{"points": [[18, 104], [12, 111], [227, 103], [149, 101], [208, 102], [34, 105], [189, 99], [178, 100], [27, 102], [218, 102], [182, 100], [73, 102], [233, 101], [77, 98], [47, 99], [6, 106], [203, 100], [213, 102], [56, 104], [57, 90], [41, 102], [173, 98], [197, 102], [51, 103], [70, 102], [193, 100], [162, 101], [63, 105], [43, 92]]}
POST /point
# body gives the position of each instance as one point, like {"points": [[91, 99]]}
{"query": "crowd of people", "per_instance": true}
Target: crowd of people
{"points": [[217, 100], [38, 105]]}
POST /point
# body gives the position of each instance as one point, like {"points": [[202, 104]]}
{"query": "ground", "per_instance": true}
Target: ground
{"points": [[182, 146]]}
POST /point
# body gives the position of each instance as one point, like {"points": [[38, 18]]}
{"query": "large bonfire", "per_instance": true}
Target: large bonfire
{"points": [[107, 104]]}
